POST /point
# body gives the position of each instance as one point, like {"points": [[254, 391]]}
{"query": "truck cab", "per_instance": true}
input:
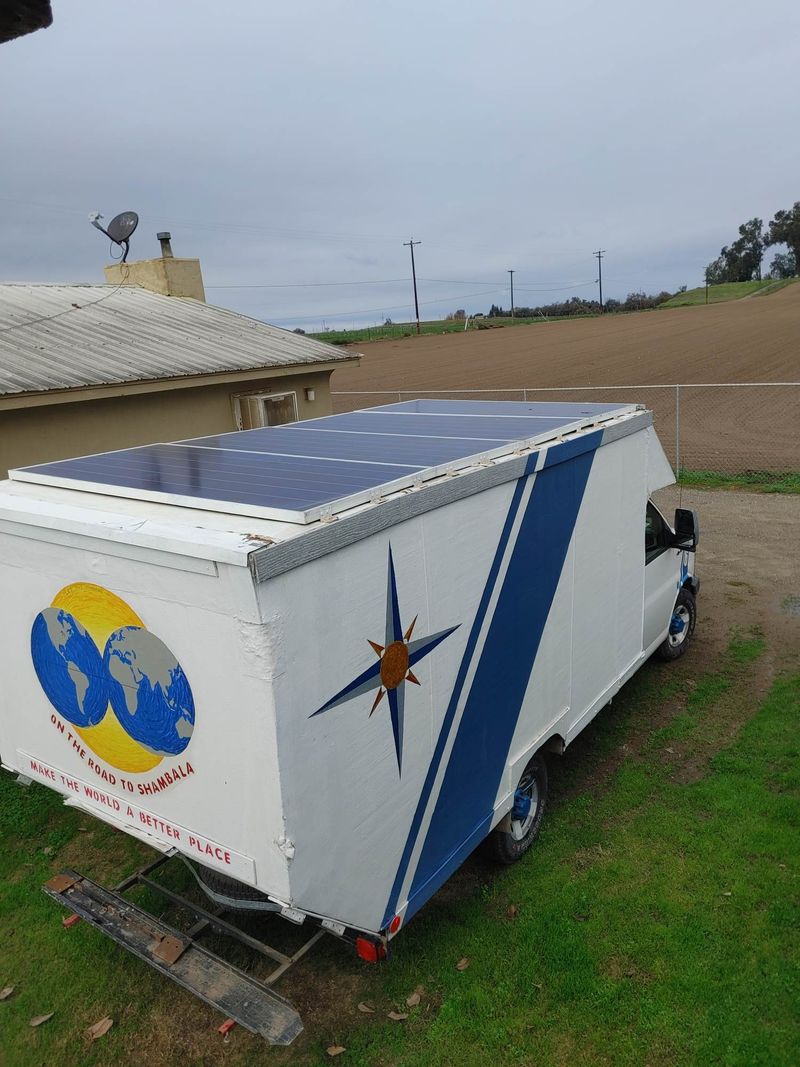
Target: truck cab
{"points": [[670, 585]]}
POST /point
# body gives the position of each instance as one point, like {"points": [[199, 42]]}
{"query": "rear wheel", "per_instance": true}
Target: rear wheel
{"points": [[227, 892], [681, 627], [519, 829]]}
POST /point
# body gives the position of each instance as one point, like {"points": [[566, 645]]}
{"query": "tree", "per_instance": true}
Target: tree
{"points": [[785, 230], [741, 261], [750, 248], [784, 265]]}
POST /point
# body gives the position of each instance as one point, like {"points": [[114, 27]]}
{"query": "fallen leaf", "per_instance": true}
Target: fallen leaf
{"points": [[37, 1020], [49, 850], [463, 963], [335, 1050], [398, 1016], [580, 918], [100, 1028], [513, 911], [6, 992], [365, 1008], [413, 1000]]}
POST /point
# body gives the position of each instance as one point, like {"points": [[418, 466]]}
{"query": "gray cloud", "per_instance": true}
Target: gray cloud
{"points": [[306, 142]]}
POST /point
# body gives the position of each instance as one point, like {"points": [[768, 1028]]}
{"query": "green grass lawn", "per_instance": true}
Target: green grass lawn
{"points": [[409, 329], [726, 291], [655, 922], [753, 481]]}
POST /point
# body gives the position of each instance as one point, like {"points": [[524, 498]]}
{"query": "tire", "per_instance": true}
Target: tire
{"points": [[674, 645], [227, 892], [513, 837]]}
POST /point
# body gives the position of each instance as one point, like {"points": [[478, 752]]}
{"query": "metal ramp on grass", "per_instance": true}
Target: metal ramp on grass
{"points": [[180, 956]]}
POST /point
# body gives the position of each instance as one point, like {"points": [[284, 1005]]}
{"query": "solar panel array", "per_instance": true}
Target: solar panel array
{"points": [[301, 471]]}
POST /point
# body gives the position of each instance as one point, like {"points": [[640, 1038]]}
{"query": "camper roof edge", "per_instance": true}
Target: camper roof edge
{"points": [[274, 560]]}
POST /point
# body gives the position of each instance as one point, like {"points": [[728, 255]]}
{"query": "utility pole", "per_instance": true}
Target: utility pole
{"points": [[511, 273], [410, 244], [600, 253]]}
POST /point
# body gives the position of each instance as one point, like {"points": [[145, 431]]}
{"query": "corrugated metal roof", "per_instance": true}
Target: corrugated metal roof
{"points": [[68, 336]]}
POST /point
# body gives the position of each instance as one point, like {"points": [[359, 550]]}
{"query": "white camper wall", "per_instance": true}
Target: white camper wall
{"points": [[348, 805], [608, 574], [223, 788], [594, 628]]}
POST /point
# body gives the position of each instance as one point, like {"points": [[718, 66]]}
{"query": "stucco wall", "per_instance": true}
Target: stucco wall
{"points": [[58, 431]]}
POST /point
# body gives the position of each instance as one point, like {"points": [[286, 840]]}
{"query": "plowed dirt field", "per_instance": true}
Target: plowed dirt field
{"points": [[756, 339]]}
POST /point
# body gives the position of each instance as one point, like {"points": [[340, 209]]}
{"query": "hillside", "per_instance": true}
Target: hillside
{"points": [[742, 340], [728, 291]]}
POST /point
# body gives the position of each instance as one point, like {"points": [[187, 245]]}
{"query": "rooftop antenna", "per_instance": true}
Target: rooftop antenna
{"points": [[119, 230]]}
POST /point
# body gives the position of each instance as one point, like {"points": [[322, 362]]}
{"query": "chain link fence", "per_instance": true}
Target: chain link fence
{"points": [[732, 428]]}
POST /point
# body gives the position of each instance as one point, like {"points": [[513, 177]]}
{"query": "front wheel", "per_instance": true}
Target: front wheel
{"points": [[519, 829], [681, 626]]}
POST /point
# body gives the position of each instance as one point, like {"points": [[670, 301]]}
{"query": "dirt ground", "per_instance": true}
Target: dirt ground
{"points": [[753, 340]]}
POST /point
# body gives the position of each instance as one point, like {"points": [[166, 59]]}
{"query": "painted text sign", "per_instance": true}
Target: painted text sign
{"points": [[120, 809]]}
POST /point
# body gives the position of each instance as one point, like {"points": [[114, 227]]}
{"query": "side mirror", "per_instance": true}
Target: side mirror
{"points": [[687, 530]]}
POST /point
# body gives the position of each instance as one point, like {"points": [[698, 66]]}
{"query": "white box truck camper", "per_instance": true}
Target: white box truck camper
{"points": [[322, 661]]}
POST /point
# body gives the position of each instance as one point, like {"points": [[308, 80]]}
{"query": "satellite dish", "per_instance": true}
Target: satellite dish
{"points": [[122, 226], [119, 230]]}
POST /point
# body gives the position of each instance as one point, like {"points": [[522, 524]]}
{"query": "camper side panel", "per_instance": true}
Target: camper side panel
{"points": [[141, 692], [357, 723], [594, 629]]}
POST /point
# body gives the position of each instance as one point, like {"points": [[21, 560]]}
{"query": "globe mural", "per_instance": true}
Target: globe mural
{"points": [[131, 703], [148, 690], [69, 667]]}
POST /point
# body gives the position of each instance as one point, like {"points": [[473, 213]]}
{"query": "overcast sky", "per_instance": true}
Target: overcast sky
{"points": [[304, 142]]}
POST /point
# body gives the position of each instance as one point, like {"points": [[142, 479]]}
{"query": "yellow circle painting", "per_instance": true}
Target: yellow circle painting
{"points": [[118, 684]]}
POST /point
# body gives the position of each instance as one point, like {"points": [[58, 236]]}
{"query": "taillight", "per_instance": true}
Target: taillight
{"points": [[371, 951]]}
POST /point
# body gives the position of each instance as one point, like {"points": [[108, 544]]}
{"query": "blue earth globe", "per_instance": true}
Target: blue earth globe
{"points": [[149, 692], [69, 667]]}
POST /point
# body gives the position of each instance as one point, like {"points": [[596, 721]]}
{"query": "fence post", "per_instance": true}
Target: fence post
{"points": [[525, 395], [677, 431]]}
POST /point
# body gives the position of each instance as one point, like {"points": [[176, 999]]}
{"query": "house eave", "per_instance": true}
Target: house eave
{"points": [[15, 401]]}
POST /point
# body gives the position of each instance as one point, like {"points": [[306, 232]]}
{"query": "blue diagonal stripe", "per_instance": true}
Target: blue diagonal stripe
{"points": [[451, 708]]}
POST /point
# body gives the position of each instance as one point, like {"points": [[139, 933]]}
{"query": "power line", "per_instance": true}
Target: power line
{"points": [[313, 285], [392, 281], [400, 307]]}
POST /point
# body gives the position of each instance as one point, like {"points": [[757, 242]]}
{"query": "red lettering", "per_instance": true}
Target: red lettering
{"points": [[45, 772]]}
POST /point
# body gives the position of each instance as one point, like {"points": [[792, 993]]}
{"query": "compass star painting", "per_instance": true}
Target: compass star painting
{"points": [[393, 668]]}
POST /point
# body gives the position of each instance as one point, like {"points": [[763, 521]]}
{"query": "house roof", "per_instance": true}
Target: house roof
{"points": [[74, 336]]}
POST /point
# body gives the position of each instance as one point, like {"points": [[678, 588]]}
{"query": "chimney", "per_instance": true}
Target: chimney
{"points": [[166, 275], [166, 247]]}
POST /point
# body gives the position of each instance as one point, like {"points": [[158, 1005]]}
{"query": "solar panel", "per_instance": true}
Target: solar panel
{"points": [[480, 427], [536, 409], [302, 471]]}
